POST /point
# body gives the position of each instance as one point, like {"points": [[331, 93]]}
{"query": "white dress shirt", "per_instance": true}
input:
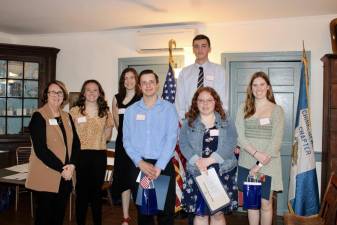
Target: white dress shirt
{"points": [[214, 76]]}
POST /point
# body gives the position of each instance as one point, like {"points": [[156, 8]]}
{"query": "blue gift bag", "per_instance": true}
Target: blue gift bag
{"points": [[201, 208], [149, 202], [251, 194]]}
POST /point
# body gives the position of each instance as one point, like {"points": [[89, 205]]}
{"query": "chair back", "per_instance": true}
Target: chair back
{"points": [[328, 210], [110, 166], [22, 155]]}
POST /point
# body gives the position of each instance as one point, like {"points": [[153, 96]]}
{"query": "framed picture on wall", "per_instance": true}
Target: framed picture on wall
{"points": [[73, 97]]}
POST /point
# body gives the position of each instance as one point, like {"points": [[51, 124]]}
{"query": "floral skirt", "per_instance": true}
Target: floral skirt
{"points": [[192, 198]]}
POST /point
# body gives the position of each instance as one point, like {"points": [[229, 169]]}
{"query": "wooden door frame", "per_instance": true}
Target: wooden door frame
{"points": [[148, 60], [291, 56]]}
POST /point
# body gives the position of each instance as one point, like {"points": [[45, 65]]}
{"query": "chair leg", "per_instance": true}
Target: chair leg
{"points": [[110, 198], [16, 197], [31, 205]]}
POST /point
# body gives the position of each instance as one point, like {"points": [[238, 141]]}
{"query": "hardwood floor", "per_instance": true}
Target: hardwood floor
{"points": [[111, 216]]}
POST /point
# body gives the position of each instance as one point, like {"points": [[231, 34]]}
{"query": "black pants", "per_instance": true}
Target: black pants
{"points": [[50, 207], [90, 174], [165, 217]]}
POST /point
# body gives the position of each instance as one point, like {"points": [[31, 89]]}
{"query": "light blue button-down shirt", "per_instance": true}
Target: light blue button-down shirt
{"points": [[150, 133]]}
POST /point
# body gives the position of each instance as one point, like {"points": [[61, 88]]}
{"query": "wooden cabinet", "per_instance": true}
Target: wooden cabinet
{"points": [[24, 73], [329, 139]]}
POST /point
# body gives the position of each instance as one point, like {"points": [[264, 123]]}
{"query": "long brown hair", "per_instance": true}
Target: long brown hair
{"points": [[250, 109], [103, 107], [193, 112], [121, 87]]}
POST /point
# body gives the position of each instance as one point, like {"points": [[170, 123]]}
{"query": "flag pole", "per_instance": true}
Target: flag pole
{"points": [[306, 74]]}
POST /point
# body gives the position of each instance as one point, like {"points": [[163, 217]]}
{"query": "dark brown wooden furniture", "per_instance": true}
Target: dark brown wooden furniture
{"points": [[44, 59], [329, 138], [328, 212]]}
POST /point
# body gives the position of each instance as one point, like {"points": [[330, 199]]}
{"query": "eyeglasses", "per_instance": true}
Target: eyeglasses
{"points": [[56, 93], [205, 101]]}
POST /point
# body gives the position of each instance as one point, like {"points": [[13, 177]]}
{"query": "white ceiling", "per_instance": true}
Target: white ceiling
{"points": [[59, 16]]}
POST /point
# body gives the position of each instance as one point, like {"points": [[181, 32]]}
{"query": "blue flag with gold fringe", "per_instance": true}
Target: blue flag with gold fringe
{"points": [[303, 186]]}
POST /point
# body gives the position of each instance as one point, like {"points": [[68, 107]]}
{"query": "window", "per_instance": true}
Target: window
{"points": [[19, 87]]}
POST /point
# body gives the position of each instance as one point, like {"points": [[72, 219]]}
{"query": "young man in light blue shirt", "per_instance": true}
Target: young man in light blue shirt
{"points": [[149, 135]]}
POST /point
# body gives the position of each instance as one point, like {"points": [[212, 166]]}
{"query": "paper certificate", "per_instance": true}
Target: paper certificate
{"points": [[212, 190]]}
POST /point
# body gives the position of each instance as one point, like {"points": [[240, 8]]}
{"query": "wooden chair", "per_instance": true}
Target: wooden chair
{"points": [[107, 181], [108, 175], [22, 156], [328, 212]]}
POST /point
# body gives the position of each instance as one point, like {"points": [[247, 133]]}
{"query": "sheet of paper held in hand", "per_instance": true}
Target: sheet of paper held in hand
{"points": [[212, 190]]}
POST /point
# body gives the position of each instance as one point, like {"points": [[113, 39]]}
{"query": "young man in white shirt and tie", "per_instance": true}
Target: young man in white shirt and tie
{"points": [[201, 73]]}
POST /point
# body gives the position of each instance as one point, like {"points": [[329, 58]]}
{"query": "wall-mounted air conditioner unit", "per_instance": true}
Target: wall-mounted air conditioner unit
{"points": [[156, 40]]}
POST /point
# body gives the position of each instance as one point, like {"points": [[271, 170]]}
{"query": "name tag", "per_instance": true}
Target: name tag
{"points": [[210, 77], [138, 177], [82, 119], [53, 122], [140, 117], [121, 111], [214, 132], [264, 121]]}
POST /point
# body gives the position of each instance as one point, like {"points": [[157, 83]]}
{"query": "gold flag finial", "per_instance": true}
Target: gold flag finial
{"points": [[171, 43], [303, 51]]}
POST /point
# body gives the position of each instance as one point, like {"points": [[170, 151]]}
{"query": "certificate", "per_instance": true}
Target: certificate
{"points": [[212, 190]]}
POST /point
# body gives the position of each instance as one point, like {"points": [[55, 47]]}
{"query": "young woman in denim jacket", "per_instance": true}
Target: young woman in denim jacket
{"points": [[207, 139]]}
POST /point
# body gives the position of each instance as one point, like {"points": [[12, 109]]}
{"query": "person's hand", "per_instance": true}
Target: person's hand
{"points": [[68, 171], [262, 157], [158, 171], [254, 170], [148, 169], [203, 163], [209, 161]]}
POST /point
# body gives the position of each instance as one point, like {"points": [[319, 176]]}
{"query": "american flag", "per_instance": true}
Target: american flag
{"points": [[145, 182], [169, 90], [179, 162]]}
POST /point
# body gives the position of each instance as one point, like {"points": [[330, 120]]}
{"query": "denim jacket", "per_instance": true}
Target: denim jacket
{"points": [[191, 143]]}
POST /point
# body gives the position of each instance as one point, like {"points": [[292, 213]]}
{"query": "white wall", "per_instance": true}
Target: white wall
{"points": [[95, 55], [7, 38]]}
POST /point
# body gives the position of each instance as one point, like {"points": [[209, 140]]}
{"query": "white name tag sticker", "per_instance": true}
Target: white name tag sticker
{"points": [[121, 111], [210, 77], [264, 121], [82, 119], [53, 122], [138, 177], [140, 117], [214, 132]]}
